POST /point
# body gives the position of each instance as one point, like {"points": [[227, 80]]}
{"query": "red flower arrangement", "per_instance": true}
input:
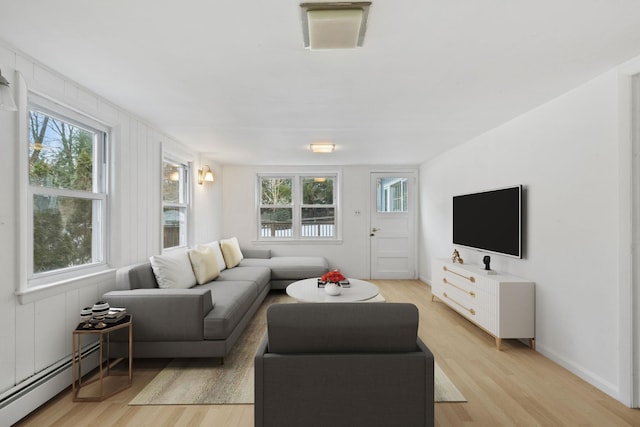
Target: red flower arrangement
{"points": [[333, 276]]}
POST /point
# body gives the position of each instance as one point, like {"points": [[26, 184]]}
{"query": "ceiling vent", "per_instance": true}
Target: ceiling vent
{"points": [[334, 25]]}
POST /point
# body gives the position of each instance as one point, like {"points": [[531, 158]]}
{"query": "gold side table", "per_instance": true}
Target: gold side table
{"points": [[100, 390]]}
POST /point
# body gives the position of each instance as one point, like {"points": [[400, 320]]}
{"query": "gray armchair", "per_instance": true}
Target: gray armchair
{"points": [[343, 364]]}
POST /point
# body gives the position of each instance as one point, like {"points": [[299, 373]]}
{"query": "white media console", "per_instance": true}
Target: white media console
{"points": [[501, 304]]}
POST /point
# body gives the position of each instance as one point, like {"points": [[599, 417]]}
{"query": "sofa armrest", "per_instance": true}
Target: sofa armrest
{"points": [[165, 314], [256, 253]]}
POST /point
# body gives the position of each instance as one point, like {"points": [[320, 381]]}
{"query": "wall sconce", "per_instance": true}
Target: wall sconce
{"points": [[6, 98], [205, 174], [322, 147]]}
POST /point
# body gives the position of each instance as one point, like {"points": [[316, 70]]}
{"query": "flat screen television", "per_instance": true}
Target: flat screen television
{"points": [[490, 221]]}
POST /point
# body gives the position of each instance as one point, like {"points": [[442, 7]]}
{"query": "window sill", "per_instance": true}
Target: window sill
{"points": [[29, 295]]}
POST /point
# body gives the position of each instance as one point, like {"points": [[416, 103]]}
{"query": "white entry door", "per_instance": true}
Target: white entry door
{"points": [[392, 233]]}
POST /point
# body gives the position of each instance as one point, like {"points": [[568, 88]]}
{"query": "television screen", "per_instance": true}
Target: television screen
{"points": [[489, 221]]}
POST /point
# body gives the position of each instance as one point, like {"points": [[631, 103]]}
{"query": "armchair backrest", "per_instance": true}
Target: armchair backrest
{"points": [[342, 328]]}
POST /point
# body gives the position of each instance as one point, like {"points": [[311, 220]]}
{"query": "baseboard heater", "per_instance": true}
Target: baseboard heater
{"points": [[22, 399]]}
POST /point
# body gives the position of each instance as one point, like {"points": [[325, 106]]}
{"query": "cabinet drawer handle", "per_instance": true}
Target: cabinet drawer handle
{"points": [[470, 310], [473, 294], [470, 278]]}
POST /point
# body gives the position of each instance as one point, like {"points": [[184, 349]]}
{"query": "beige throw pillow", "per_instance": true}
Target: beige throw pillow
{"points": [[231, 252], [204, 264], [215, 246], [173, 270]]}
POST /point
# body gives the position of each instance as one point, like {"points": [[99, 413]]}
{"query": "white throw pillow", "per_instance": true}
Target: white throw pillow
{"points": [[231, 252], [215, 246], [173, 270], [204, 264]]}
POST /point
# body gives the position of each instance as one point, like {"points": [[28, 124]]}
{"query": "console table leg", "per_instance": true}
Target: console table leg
{"points": [[532, 343], [498, 342]]}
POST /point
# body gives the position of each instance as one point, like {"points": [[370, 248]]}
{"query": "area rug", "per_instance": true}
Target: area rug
{"points": [[208, 382]]}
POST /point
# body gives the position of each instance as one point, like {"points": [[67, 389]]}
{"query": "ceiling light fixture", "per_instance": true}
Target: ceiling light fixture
{"points": [[337, 25], [6, 98], [322, 147]]}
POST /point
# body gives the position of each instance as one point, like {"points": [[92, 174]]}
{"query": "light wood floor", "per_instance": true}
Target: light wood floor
{"points": [[515, 386]]}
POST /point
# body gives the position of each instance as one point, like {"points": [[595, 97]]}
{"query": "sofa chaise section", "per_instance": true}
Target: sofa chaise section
{"points": [[285, 269]]}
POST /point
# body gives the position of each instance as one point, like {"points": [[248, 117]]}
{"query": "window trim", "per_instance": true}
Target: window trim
{"points": [[297, 206], [30, 282]]}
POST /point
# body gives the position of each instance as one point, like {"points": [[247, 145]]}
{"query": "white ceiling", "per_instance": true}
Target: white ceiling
{"points": [[231, 78]]}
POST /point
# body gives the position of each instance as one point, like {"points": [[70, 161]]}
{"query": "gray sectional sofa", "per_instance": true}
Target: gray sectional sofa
{"points": [[204, 320]]}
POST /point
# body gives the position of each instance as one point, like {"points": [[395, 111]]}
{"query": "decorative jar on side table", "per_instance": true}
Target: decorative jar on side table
{"points": [[101, 387]]}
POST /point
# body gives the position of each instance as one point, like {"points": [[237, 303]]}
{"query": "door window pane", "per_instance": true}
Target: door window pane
{"points": [[392, 195]]}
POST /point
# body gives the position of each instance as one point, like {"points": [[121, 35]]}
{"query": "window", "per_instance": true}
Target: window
{"points": [[175, 203], [67, 197], [392, 195], [298, 207]]}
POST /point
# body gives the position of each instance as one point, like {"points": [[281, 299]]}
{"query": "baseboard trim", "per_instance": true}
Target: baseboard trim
{"points": [[595, 380], [29, 395]]}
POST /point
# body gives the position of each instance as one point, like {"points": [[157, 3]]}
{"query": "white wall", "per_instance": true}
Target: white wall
{"points": [[36, 334], [207, 206], [566, 154], [351, 255]]}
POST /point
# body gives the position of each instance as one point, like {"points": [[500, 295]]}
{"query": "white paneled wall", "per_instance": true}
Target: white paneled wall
{"points": [[36, 335]]}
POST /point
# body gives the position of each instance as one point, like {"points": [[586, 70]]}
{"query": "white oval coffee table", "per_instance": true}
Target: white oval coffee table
{"points": [[307, 290]]}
